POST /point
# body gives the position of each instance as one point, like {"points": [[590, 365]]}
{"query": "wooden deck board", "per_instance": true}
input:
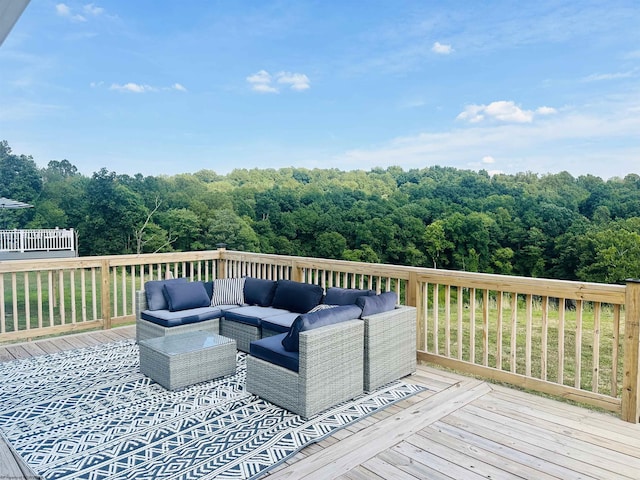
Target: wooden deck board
{"points": [[457, 428]]}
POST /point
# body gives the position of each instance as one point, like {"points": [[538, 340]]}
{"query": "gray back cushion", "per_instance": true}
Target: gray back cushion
{"points": [[345, 296], [321, 318], [258, 291], [384, 302]]}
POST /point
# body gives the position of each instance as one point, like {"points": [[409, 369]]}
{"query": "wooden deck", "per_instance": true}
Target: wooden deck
{"points": [[460, 428]]}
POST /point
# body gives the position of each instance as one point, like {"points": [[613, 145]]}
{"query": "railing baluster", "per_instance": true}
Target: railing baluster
{"points": [[499, 331], [472, 325], [27, 302], [14, 297], [561, 320], [485, 327], [615, 358], [595, 377], [529, 326], [578, 354], [460, 295], [544, 356], [447, 319], [514, 333]]}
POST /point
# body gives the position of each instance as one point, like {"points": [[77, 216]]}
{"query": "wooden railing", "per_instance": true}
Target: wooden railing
{"points": [[576, 340], [37, 240]]}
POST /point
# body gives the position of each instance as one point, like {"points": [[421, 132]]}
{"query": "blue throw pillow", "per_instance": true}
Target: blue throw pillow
{"points": [[320, 318], [385, 302], [154, 291], [183, 296], [258, 291], [296, 296], [345, 296]]}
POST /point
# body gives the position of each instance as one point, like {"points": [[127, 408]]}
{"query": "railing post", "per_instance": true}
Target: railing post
{"points": [[222, 264], [631, 380], [412, 290], [106, 294], [296, 272]]}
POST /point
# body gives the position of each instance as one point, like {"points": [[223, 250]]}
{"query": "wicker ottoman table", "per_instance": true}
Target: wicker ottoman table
{"points": [[181, 360]]}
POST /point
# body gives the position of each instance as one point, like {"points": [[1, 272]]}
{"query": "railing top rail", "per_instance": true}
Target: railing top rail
{"points": [[587, 291], [10, 266], [322, 263]]}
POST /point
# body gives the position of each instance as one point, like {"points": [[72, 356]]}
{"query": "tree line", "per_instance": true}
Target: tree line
{"points": [[553, 225]]}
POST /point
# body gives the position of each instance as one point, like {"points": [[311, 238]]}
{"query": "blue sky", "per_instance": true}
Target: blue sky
{"points": [[166, 87]]}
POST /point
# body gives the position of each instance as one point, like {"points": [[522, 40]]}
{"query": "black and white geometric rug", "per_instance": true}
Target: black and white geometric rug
{"points": [[90, 413]]}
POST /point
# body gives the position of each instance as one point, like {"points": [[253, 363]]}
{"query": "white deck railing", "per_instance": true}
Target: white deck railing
{"points": [[37, 240]]}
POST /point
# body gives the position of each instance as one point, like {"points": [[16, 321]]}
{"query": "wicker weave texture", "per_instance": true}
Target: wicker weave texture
{"points": [[178, 370], [242, 333], [331, 371], [389, 346]]}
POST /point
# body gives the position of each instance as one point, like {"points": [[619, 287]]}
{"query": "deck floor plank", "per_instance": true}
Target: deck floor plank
{"points": [[549, 428], [515, 467], [552, 456]]}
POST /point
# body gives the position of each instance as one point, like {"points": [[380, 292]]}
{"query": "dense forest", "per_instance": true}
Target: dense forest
{"points": [[552, 225]]}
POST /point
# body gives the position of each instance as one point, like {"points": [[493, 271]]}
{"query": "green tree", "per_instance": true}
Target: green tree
{"points": [[436, 241], [330, 245], [227, 227]]}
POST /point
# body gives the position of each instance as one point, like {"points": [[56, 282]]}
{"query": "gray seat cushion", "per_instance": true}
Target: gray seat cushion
{"points": [[167, 318], [251, 315], [280, 323]]}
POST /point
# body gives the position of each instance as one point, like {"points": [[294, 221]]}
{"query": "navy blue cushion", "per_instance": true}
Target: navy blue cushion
{"points": [[208, 286], [384, 302], [279, 323], [296, 296], [270, 350], [258, 291], [321, 318], [183, 296], [344, 296], [173, 319], [154, 290], [251, 315]]}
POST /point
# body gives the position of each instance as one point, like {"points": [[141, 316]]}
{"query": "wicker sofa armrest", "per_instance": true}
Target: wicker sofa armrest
{"points": [[331, 364], [389, 346]]}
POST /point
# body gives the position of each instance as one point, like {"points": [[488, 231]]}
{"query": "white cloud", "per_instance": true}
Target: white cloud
{"points": [[64, 10], [297, 81], [546, 111], [504, 111], [133, 87], [441, 49], [91, 9], [262, 81], [597, 77], [488, 160], [140, 88]]}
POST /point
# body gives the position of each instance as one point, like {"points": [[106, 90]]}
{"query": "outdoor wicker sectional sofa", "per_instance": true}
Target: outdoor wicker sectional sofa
{"points": [[308, 350]]}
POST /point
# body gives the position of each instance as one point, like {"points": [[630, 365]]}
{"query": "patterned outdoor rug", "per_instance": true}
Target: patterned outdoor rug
{"points": [[90, 413]]}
